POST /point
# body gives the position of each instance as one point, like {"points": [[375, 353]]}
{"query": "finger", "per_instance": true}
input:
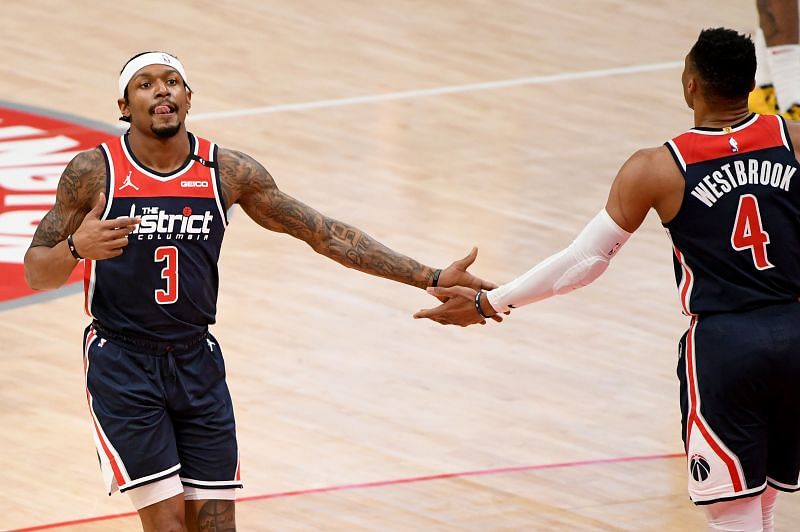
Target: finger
{"points": [[467, 261], [452, 291], [117, 223], [441, 292], [120, 232], [425, 313], [486, 285], [118, 243], [497, 318], [98, 207]]}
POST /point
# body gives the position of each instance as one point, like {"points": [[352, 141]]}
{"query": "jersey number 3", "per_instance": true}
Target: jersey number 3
{"points": [[169, 272], [748, 232]]}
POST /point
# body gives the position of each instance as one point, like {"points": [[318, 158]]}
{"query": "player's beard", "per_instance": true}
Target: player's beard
{"points": [[165, 131]]}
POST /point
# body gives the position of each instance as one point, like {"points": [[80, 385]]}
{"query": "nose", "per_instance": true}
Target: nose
{"points": [[161, 88]]}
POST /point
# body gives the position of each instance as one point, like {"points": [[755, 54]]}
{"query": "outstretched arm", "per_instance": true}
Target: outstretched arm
{"points": [[639, 186], [77, 211], [249, 184]]}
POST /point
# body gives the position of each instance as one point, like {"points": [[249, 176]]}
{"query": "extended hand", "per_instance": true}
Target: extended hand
{"points": [[458, 307], [98, 239], [457, 275]]}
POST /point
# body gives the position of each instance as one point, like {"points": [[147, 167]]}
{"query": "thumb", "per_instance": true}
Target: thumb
{"points": [[99, 206], [440, 291], [467, 261], [453, 291]]}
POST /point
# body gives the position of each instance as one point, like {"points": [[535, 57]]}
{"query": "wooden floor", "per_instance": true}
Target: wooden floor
{"points": [[563, 418]]}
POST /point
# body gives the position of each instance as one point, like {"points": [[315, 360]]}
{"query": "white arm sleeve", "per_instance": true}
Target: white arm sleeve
{"points": [[578, 265]]}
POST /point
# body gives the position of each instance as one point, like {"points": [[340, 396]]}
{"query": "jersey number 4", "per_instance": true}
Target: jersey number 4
{"points": [[748, 232], [168, 254]]}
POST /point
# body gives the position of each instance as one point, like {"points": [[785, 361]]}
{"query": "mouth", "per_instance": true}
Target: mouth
{"points": [[164, 109]]}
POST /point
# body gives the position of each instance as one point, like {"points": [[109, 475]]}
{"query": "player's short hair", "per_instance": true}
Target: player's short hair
{"points": [[726, 62], [125, 94]]}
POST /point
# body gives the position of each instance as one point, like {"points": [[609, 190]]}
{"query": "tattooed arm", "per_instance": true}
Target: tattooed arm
{"points": [[247, 183], [80, 203]]}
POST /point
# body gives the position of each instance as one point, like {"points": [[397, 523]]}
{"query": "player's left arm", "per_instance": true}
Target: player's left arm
{"points": [[638, 187], [248, 183]]}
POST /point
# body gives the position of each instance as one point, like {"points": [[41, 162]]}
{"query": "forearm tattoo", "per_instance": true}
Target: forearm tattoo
{"points": [[248, 183], [355, 249], [81, 181]]}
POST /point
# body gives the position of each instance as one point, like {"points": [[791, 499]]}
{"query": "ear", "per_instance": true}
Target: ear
{"points": [[188, 100], [692, 85], [123, 107]]}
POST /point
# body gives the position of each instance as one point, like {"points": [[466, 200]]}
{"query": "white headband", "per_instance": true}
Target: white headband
{"points": [[150, 58]]}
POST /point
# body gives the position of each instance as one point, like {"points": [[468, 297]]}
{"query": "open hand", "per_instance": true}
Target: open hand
{"points": [[458, 307], [457, 275]]}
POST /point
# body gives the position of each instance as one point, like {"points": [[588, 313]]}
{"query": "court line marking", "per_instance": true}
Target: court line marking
{"points": [[392, 482], [437, 91]]}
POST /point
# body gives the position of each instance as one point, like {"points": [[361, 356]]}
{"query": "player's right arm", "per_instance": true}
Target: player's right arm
{"points": [[77, 211], [648, 179]]}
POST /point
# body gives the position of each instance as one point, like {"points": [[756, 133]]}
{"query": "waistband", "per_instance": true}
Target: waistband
{"points": [[151, 346]]}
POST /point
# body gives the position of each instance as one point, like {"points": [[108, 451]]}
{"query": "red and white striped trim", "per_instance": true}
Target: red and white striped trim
{"points": [[781, 126], [88, 264], [678, 154], [114, 471], [687, 281], [695, 418], [146, 172], [726, 131], [217, 193]]}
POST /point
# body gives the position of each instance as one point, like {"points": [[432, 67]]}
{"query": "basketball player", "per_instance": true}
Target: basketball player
{"points": [[778, 53], [147, 213], [728, 195]]}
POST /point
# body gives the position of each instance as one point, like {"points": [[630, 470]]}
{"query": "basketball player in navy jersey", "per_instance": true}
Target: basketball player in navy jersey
{"points": [[147, 212], [727, 191]]}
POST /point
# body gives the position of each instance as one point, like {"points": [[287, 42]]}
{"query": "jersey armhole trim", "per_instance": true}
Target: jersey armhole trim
{"points": [[676, 154], [787, 139], [109, 186], [219, 196]]}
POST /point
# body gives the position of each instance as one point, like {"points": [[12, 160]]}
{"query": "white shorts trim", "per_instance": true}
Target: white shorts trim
{"points": [[155, 492], [191, 493], [781, 485]]}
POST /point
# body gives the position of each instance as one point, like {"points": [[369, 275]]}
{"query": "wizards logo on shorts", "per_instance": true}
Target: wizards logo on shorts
{"points": [[699, 467]]}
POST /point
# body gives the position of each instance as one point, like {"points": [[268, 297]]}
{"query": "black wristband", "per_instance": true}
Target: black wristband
{"points": [[478, 305], [436, 274], [71, 246]]}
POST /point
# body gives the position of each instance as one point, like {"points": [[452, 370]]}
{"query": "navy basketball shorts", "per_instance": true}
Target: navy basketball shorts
{"points": [[159, 410], [740, 402]]}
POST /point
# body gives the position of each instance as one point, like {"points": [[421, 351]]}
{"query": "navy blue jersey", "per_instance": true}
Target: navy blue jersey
{"points": [[736, 237], [164, 285]]}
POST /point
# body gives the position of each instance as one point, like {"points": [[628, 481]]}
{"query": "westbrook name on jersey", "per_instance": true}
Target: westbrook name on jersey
{"points": [[164, 285], [735, 235]]}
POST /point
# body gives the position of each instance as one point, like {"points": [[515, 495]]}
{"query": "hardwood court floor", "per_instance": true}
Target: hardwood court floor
{"points": [[334, 383]]}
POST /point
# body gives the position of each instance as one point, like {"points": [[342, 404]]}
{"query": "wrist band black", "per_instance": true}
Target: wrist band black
{"points": [[436, 274], [71, 246], [478, 304]]}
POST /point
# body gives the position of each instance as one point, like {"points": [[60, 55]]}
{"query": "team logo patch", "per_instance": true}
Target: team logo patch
{"points": [[699, 467], [34, 149]]}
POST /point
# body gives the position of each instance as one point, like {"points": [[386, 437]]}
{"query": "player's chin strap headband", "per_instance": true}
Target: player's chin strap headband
{"points": [[150, 58]]}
